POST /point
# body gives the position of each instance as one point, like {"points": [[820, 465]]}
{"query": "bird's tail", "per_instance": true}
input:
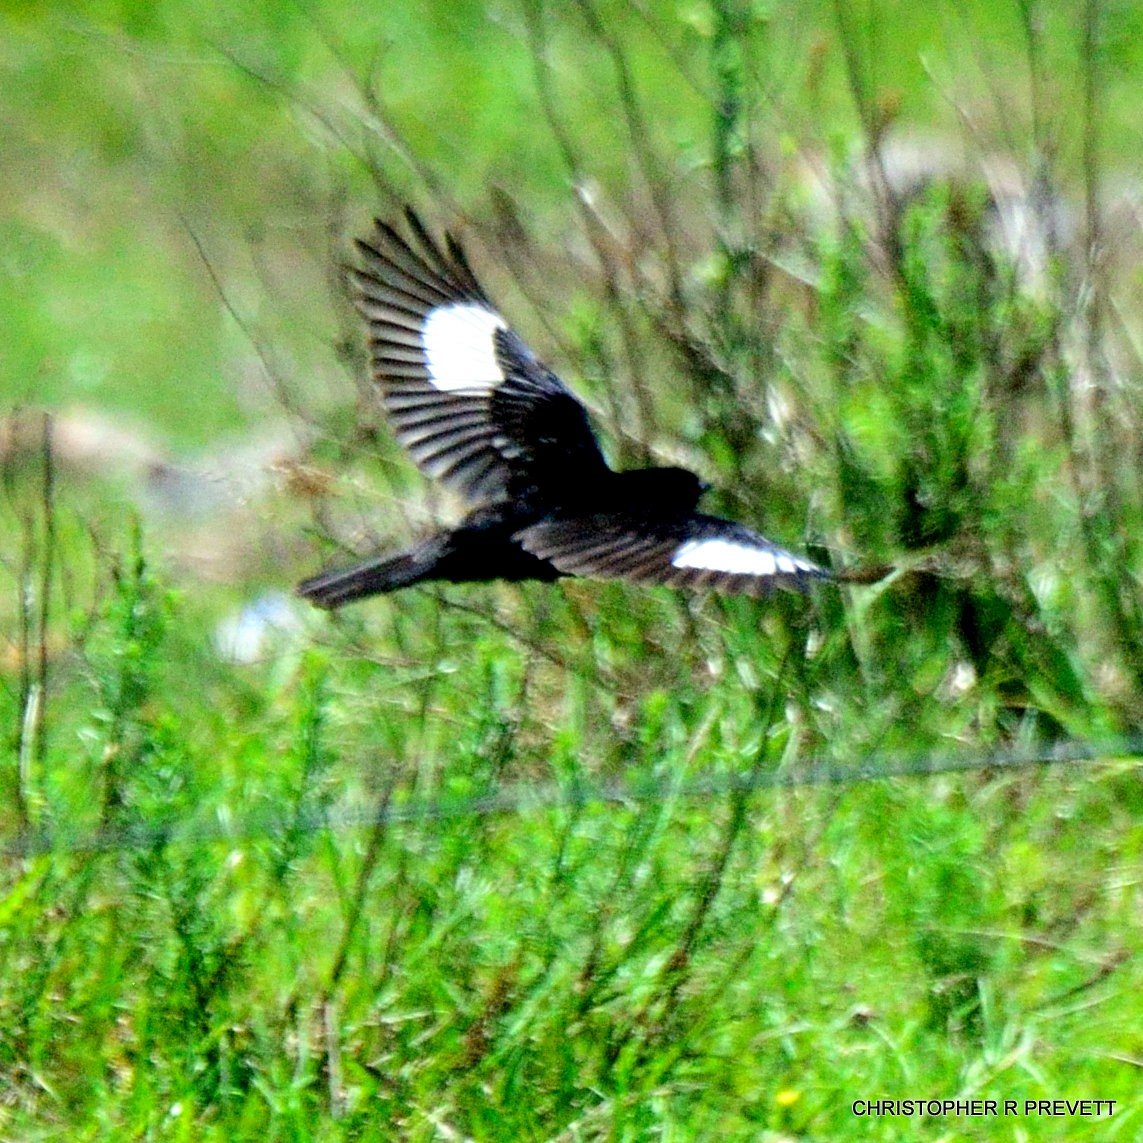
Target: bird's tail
{"points": [[335, 588]]}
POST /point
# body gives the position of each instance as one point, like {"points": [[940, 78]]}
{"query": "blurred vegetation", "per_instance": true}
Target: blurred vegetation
{"points": [[560, 862]]}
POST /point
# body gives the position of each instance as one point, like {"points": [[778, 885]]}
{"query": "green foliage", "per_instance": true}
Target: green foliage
{"points": [[516, 862]]}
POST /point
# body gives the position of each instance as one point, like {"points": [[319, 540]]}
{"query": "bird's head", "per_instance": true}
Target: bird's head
{"points": [[676, 488], [684, 483]]}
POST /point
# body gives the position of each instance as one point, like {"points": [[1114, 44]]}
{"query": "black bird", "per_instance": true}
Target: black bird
{"points": [[480, 412]]}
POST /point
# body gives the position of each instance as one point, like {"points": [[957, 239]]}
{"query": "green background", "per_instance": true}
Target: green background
{"points": [[576, 881]]}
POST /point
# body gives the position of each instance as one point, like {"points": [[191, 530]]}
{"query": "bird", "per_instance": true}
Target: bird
{"points": [[479, 412]]}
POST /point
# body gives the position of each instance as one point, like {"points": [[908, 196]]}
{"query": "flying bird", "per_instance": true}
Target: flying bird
{"points": [[478, 411]]}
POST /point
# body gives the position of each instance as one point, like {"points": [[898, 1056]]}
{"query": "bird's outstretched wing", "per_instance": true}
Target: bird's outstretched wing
{"points": [[466, 397], [693, 551]]}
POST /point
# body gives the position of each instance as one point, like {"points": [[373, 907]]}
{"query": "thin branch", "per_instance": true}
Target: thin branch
{"points": [[47, 572], [597, 231]]}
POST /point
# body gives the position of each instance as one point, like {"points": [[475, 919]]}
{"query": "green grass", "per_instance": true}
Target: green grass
{"points": [[563, 862]]}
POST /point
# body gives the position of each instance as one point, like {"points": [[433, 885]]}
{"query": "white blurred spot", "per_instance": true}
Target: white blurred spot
{"points": [[260, 627], [958, 681]]}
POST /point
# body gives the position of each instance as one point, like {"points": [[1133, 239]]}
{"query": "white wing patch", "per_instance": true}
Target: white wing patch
{"points": [[736, 559], [460, 350]]}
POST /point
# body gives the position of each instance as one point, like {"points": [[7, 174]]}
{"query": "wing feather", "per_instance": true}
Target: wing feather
{"points": [[467, 398], [694, 551]]}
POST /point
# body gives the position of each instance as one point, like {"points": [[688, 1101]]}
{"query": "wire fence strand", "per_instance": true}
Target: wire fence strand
{"points": [[524, 798]]}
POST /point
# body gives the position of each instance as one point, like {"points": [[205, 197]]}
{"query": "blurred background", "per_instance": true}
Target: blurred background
{"points": [[581, 861], [184, 185]]}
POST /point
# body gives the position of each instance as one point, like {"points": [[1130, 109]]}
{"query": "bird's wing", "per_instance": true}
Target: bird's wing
{"points": [[466, 397], [694, 551]]}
